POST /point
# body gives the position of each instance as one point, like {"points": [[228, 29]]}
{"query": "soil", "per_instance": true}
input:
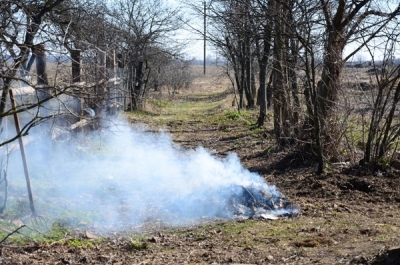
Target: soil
{"points": [[349, 215]]}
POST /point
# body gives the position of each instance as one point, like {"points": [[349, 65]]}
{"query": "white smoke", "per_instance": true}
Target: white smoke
{"points": [[124, 177]]}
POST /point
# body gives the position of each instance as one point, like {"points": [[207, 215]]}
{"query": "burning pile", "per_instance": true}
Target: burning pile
{"points": [[255, 202]]}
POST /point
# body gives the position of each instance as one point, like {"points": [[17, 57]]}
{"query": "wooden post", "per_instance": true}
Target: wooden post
{"points": [[23, 154], [120, 75], [110, 61], [76, 65], [76, 60], [115, 66], [115, 96], [101, 64], [101, 82], [40, 54]]}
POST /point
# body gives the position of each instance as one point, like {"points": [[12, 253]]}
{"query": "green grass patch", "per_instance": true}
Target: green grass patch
{"points": [[80, 243], [208, 108], [233, 115], [159, 103], [38, 231], [138, 243], [57, 232]]}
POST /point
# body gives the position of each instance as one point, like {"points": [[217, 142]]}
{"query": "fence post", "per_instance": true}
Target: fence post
{"points": [[120, 74], [101, 64], [101, 85]]}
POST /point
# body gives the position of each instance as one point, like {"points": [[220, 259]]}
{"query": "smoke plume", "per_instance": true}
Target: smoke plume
{"points": [[124, 177]]}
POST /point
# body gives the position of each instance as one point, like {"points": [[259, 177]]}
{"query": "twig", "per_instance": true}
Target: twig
{"points": [[255, 201], [10, 234]]}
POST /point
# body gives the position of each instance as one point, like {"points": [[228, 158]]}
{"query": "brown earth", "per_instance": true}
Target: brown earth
{"points": [[349, 216]]}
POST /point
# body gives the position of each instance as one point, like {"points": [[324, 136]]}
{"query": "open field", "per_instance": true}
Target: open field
{"points": [[348, 216]]}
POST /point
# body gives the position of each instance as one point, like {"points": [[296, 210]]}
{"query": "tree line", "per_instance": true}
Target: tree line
{"points": [[289, 56], [89, 43], [285, 56]]}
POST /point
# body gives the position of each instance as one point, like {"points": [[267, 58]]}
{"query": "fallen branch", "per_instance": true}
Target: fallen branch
{"points": [[10, 234]]}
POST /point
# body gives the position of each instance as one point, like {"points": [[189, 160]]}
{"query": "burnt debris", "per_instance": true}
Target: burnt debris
{"points": [[255, 202]]}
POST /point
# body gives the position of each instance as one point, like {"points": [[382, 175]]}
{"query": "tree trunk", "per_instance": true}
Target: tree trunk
{"points": [[262, 95], [40, 53], [281, 104], [250, 95], [270, 91], [263, 76], [329, 84], [136, 97], [294, 87]]}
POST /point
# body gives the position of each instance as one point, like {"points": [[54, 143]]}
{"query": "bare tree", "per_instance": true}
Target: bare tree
{"points": [[24, 30], [174, 76], [22, 23], [344, 23], [263, 47], [383, 129], [30, 31], [232, 30], [144, 29]]}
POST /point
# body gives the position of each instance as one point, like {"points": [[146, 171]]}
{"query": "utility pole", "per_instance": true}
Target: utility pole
{"points": [[205, 27]]}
